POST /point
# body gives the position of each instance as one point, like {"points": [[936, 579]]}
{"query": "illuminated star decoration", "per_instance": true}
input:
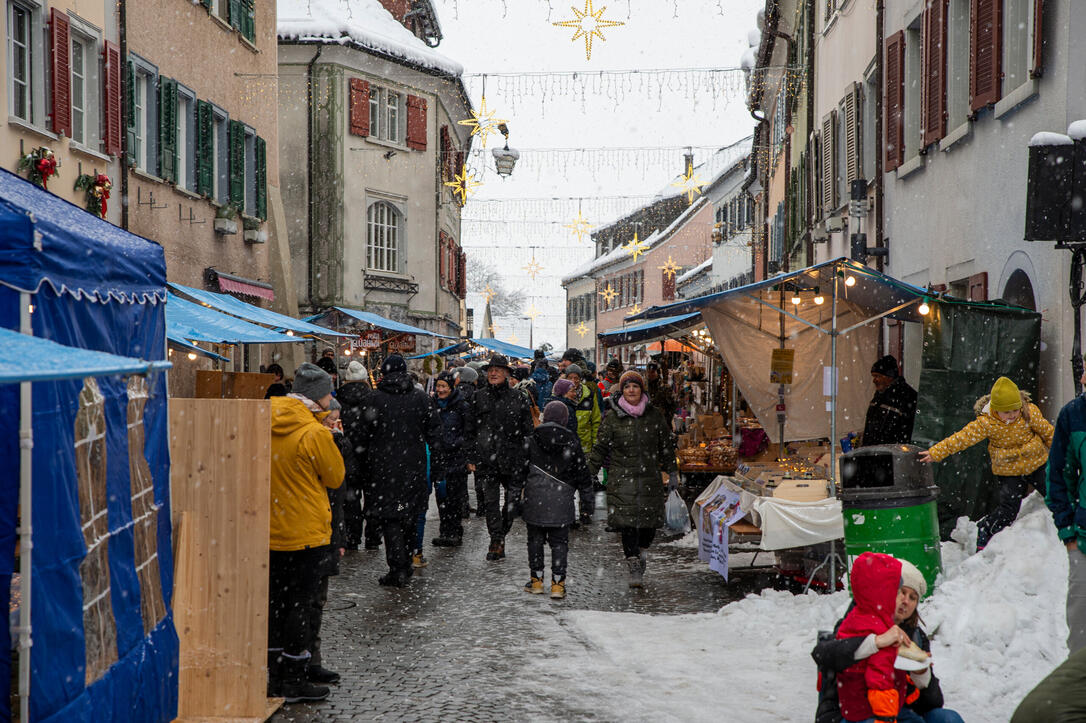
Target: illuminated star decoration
{"points": [[513, 339], [588, 24], [533, 312], [580, 227], [690, 183], [463, 184], [635, 247], [669, 268], [483, 121], [489, 293], [635, 309], [494, 328], [581, 329], [533, 268], [608, 294]]}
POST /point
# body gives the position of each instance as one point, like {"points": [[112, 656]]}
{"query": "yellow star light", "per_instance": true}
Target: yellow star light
{"points": [[533, 312], [489, 293], [533, 269], [494, 328], [588, 24], [580, 227], [608, 294], [463, 184], [483, 121], [669, 268], [513, 339], [635, 247], [581, 329], [690, 183], [635, 309]]}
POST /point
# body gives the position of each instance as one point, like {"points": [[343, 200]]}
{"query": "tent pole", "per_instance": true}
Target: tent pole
{"points": [[26, 544], [832, 586]]}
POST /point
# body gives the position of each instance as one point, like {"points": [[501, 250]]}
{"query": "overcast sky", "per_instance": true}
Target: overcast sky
{"points": [[591, 111]]}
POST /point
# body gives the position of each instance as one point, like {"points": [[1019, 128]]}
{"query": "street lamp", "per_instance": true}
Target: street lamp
{"points": [[505, 158]]}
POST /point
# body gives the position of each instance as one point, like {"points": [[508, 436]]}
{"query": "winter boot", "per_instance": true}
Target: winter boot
{"points": [[535, 585], [558, 588], [634, 564], [496, 551], [274, 663], [294, 687], [320, 674], [417, 560]]}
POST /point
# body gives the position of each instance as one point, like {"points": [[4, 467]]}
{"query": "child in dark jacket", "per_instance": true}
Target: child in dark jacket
{"points": [[557, 470]]}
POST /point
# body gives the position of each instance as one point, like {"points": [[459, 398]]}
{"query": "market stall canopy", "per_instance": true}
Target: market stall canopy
{"points": [[375, 320], [236, 307], [503, 347], [186, 320], [25, 358], [188, 347], [47, 240], [444, 351], [650, 330]]}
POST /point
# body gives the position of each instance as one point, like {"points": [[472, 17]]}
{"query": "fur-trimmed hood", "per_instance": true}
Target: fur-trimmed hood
{"points": [[981, 406]]}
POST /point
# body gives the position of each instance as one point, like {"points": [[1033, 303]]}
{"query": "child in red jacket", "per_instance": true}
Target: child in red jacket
{"points": [[872, 688]]}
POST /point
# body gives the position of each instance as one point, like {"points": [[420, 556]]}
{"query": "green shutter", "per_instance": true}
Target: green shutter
{"points": [[235, 14], [237, 165], [261, 179], [130, 111], [248, 20], [206, 4], [205, 149], [167, 129]]}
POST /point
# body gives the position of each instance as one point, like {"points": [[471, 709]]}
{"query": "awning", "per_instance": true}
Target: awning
{"points": [[25, 358], [187, 320], [186, 346], [503, 347], [241, 285], [379, 321], [650, 330], [248, 312], [444, 351]]}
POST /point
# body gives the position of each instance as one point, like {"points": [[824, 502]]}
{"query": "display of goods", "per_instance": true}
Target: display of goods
{"points": [[694, 455], [726, 457]]}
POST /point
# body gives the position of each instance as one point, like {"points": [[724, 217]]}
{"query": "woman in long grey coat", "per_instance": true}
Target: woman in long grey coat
{"points": [[638, 443]]}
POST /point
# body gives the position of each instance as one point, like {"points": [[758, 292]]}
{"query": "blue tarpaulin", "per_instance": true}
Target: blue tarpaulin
{"points": [[25, 358], [379, 321], [187, 320], [97, 288], [444, 351], [649, 330], [182, 344], [236, 307], [503, 347]]}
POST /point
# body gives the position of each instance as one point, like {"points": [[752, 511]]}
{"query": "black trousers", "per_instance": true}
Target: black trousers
{"points": [[497, 522], [480, 495], [451, 506], [316, 615], [1012, 490], [399, 533], [294, 580], [353, 520], [558, 539], [636, 539]]}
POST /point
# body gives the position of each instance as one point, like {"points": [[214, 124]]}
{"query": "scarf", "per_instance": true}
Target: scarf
{"points": [[634, 410], [309, 403]]}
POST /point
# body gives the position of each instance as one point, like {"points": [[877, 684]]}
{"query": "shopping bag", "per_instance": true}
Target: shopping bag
{"points": [[678, 517]]}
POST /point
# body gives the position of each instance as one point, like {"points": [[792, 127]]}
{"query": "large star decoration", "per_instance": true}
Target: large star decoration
{"points": [[635, 309], [514, 339], [608, 293], [588, 24], [690, 184], [635, 247], [669, 268], [533, 269], [489, 293], [533, 312], [580, 227], [463, 184], [484, 123], [581, 329]]}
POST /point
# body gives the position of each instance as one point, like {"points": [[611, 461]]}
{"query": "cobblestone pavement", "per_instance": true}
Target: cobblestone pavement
{"points": [[460, 641]]}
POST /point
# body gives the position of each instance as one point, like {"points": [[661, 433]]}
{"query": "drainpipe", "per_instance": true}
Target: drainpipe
{"points": [[122, 38], [880, 59], [309, 174], [810, 124]]}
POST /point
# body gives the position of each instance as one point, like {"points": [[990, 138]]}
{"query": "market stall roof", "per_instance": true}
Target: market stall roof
{"points": [[25, 358], [47, 240], [504, 347], [650, 330], [376, 320], [457, 348], [189, 347], [187, 320], [249, 312]]}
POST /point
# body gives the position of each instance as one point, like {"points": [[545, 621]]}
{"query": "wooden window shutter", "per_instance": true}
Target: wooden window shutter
{"points": [[934, 73], [442, 247], [815, 177], [668, 286], [206, 4], [237, 165], [167, 129], [247, 22], [446, 153], [1038, 68], [235, 14], [459, 168], [852, 135], [978, 287], [205, 148], [111, 92], [359, 107], [416, 123], [462, 280], [829, 162], [260, 147], [895, 100], [60, 38], [986, 53]]}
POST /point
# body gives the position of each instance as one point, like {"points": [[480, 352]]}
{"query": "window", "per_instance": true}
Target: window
{"points": [[1017, 49], [219, 155], [957, 63], [139, 104], [250, 171], [375, 112], [383, 237], [386, 115], [143, 127], [186, 138], [144, 509], [870, 93], [21, 58], [392, 117], [913, 82], [79, 89]]}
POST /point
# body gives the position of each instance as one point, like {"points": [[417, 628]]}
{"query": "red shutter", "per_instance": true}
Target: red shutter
{"points": [[459, 162], [442, 245], [895, 101], [978, 287], [111, 91], [446, 153], [359, 105], [669, 286], [934, 60], [1038, 39], [462, 281], [416, 123], [985, 53], [60, 37]]}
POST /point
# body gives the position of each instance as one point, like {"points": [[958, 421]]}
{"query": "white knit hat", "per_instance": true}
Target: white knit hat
{"points": [[911, 577], [356, 372]]}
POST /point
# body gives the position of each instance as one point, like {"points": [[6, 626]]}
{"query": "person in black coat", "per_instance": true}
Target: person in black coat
{"points": [[499, 454], [351, 395], [398, 421], [466, 379], [451, 456], [892, 411], [557, 469]]}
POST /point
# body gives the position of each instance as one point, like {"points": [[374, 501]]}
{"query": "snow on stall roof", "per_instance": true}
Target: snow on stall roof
{"points": [[1047, 138], [695, 271], [1077, 130], [365, 22]]}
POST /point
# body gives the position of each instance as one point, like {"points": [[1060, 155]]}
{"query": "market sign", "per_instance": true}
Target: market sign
{"points": [[402, 343], [368, 340], [781, 366]]}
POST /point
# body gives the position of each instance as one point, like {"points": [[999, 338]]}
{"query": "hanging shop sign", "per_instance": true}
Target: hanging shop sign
{"points": [[781, 365], [368, 341], [404, 343]]}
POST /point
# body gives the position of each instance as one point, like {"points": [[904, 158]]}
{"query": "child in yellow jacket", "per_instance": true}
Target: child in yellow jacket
{"points": [[1018, 440]]}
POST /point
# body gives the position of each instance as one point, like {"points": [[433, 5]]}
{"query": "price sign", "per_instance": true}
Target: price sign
{"points": [[781, 365]]}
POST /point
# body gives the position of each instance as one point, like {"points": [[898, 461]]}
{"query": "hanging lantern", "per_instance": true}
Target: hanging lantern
{"points": [[505, 158]]}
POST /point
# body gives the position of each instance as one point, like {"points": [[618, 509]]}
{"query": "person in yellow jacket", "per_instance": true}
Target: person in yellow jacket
{"points": [[304, 462], [1018, 440]]}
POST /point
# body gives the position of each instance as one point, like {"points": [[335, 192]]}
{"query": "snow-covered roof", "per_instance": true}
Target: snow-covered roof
{"points": [[694, 271], [365, 22], [1046, 138]]}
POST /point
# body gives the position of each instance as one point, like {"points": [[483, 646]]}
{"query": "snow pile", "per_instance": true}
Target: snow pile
{"points": [[996, 618], [365, 22]]}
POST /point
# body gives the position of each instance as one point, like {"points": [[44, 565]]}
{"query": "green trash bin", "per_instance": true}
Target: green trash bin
{"points": [[888, 501]]}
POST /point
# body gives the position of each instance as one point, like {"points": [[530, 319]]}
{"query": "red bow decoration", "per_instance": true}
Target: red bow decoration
{"points": [[46, 167]]}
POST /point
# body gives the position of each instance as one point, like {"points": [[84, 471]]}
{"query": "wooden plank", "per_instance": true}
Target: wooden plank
{"points": [[220, 465]]}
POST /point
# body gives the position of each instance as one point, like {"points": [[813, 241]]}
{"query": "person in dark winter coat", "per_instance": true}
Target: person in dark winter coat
{"points": [[542, 378], [280, 387], [354, 390], [466, 379], [451, 455], [639, 445], [499, 455], [398, 422], [659, 392], [556, 471], [892, 410]]}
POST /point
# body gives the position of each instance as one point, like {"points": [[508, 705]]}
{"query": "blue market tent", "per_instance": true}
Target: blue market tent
{"points": [[458, 348], [374, 320], [503, 347], [25, 358], [193, 349], [236, 307], [104, 643], [186, 320], [650, 330]]}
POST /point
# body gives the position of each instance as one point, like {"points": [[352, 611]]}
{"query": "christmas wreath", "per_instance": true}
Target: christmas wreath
{"points": [[39, 165], [96, 188]]}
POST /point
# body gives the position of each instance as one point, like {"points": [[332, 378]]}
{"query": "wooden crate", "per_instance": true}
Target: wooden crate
{"points": [[220, 452]]}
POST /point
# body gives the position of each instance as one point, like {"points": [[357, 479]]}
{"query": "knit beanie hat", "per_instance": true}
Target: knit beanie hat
{"points": [[521, 372], [467, 375], [446, 377], [393, 364], [356, 372], [556, 413], [615, 366], [887, 366], [571, 354], [911, 577], [631, 377], [1005, 396], [327, 364], [334, 404], [574, 369], [312, 382], [561, 387]]}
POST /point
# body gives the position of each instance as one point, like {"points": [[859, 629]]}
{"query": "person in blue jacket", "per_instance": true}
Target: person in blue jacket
{"points": [[542, 378]]}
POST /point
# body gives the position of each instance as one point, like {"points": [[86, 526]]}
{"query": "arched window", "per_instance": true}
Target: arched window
{"points": [[383, 237]]}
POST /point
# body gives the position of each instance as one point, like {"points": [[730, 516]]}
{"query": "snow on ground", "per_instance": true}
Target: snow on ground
{"points": [[997, 622]]}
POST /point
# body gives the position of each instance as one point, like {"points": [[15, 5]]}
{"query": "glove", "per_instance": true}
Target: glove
{"points": [[673, 482]]}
